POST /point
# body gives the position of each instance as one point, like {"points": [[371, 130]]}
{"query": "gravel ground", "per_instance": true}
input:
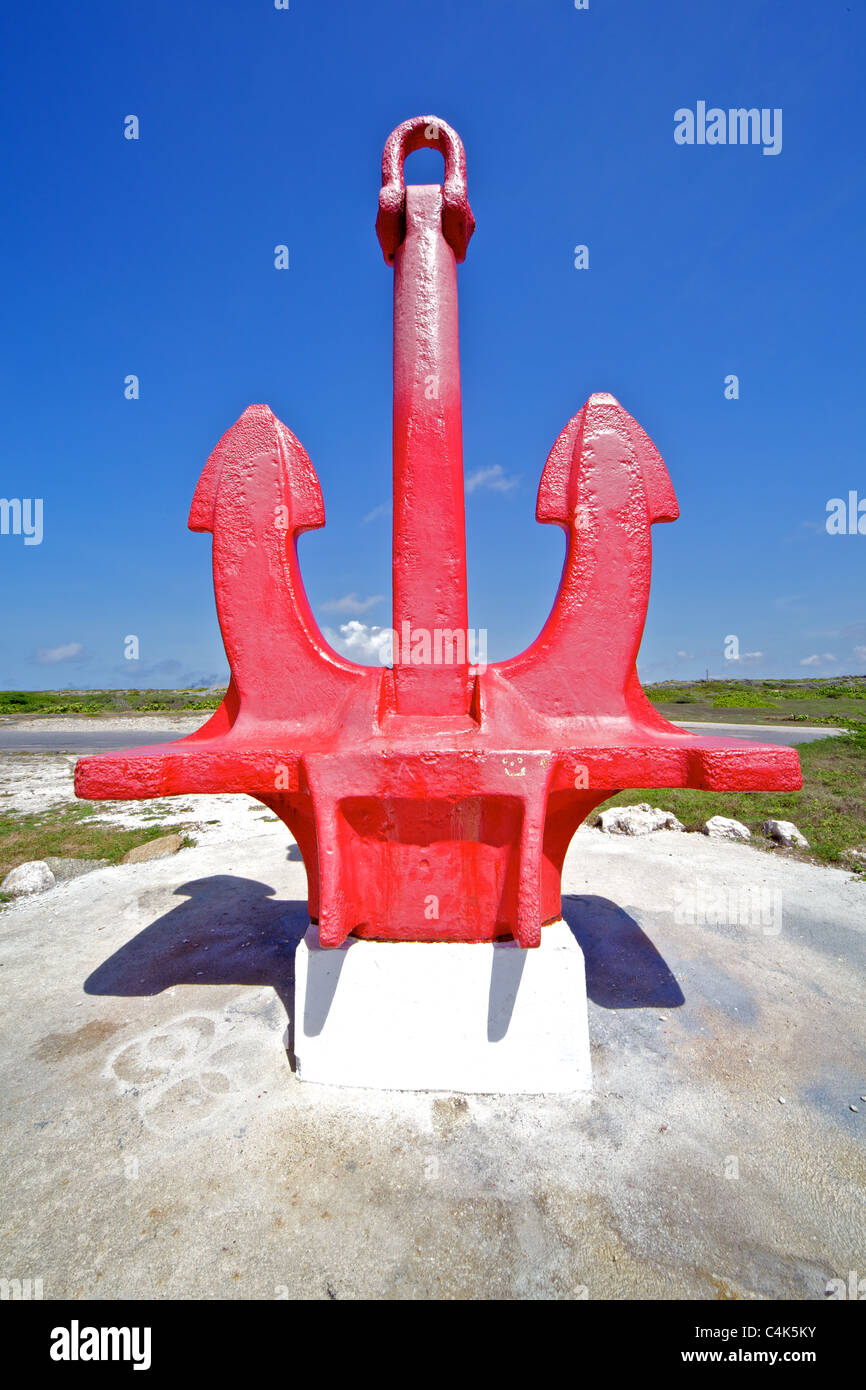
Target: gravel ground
{"points": [[33, 782]]}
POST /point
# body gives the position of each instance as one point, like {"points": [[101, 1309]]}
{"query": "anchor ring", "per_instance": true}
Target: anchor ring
{"points": [[458, 224]]}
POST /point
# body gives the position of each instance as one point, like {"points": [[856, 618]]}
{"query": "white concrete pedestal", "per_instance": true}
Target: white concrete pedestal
{"points": [[442, 1016]]}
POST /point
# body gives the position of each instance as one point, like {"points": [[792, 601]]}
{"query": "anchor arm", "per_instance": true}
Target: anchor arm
{"points": [[605, 484], [257, 493]]}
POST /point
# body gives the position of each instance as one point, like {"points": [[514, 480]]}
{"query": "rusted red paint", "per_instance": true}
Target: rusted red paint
{"points": [[434, 802]]}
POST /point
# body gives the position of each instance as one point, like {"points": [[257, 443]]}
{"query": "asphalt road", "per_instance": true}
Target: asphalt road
{"points": [[91, 741], [113, 740], [760, 733]]}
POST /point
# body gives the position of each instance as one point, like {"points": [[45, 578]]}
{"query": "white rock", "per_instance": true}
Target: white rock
{"points": [[723, 828], [642, 819], [784, 832], [32, 877]]}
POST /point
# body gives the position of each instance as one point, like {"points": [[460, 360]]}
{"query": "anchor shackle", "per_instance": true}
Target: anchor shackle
{"points": [[458, 224]]}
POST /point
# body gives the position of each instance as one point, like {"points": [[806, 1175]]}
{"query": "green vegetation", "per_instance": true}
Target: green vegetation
{"points": [[69, 832], [790, 701], [841, 702], [743, 699], [36, 702]]}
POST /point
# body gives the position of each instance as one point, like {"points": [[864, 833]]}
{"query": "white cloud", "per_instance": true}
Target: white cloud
{"points": [[686, 656], [860, 653], [383, 509], [360, 641], [350, 603], [493, 478], [68, 651], [816, 660], [746, 657]]}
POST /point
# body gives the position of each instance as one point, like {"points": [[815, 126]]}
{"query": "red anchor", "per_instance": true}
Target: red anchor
{"points": [[433, 801]]}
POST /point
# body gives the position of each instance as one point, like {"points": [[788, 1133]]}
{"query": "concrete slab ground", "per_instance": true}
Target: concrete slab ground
{"points": [[158, 1145]]}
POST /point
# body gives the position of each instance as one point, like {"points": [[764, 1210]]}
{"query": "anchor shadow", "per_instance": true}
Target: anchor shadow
{"points": [[233, 931], [227, 931], [623, 968]]}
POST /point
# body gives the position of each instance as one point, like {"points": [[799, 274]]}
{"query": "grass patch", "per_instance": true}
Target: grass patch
{"points": [[830, 810], [35, 702], [837, 703], [743, 699], [69, 832]]}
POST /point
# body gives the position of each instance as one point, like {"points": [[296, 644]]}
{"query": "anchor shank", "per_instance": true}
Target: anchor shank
{"points": [[429, 547]]}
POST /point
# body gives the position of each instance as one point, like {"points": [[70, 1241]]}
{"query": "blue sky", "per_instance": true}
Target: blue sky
{"points": [[261, 127]]}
